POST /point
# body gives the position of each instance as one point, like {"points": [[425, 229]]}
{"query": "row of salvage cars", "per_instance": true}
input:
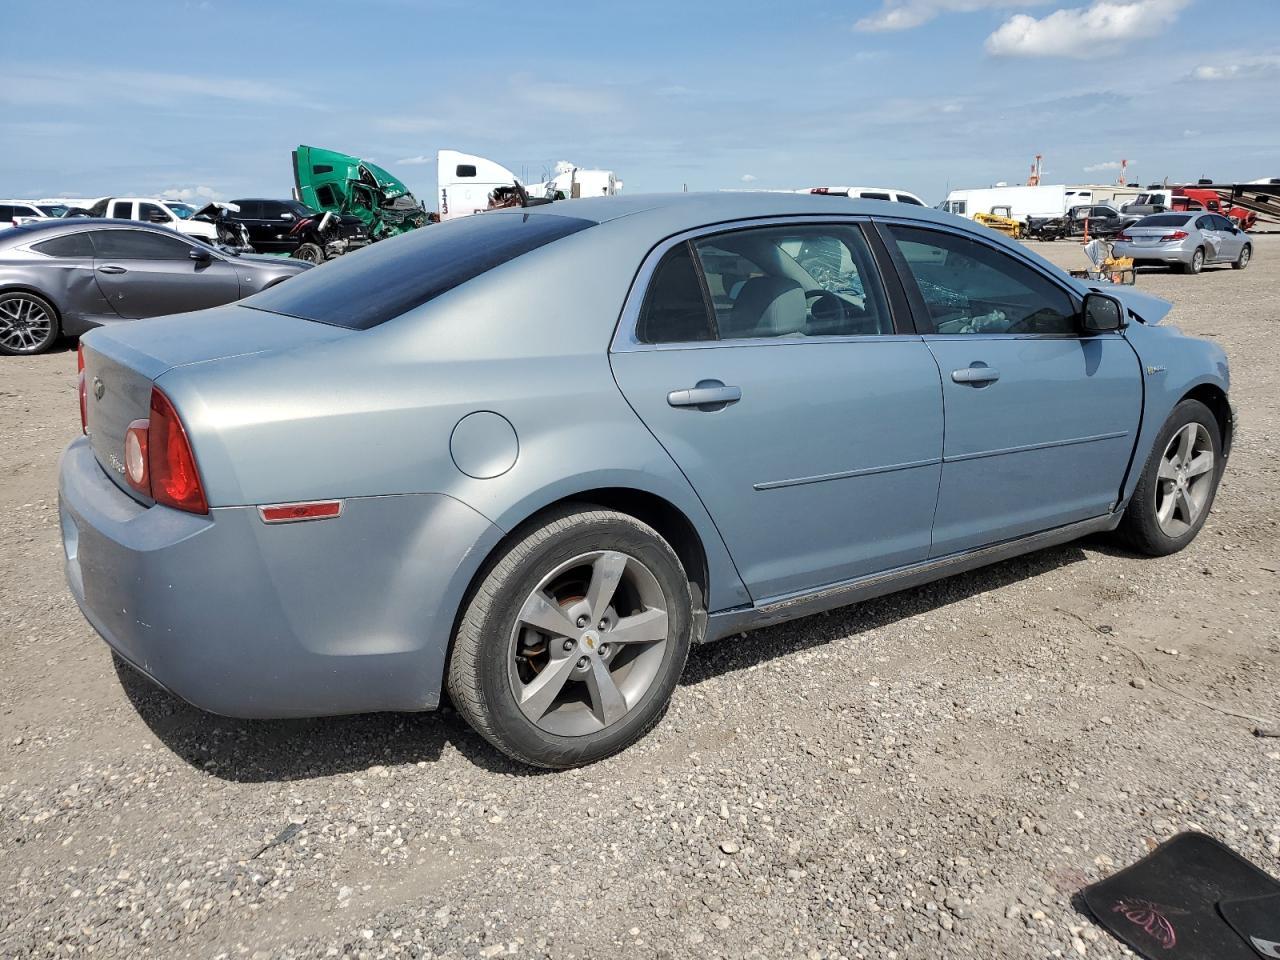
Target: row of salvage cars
{"points": [[65, 270]]}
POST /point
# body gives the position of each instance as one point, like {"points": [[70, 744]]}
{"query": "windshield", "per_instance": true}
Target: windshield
{"points": [[183, 211], [1163, 220], [53, 209], [364, 289]]}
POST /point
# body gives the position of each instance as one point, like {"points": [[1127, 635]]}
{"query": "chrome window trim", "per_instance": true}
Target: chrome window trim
{"points": [[624, 337]]}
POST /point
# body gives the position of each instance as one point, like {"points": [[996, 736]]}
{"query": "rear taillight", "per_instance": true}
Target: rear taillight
{"points": [[1124, 237], [82, 389], [171, 471], [1176, 235]]}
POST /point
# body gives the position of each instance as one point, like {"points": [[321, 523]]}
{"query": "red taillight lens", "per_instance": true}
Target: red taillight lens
{"points": [[1125, 238], [136, 469], [174, 477], [1176, 235], [83, 389]]}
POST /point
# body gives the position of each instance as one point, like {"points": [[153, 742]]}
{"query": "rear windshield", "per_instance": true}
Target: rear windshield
{"points": [[1163, 220], [371, 286]]}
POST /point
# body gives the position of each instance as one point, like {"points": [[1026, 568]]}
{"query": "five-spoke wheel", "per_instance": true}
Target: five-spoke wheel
{"points": [[570, 647], [1178, 482]]}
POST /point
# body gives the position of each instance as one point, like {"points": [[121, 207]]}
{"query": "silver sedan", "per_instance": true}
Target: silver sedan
{"points": [[1186, 241]]}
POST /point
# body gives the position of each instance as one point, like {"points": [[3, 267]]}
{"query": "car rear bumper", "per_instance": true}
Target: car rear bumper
{"points": [[247, 619], [1154, 253]]}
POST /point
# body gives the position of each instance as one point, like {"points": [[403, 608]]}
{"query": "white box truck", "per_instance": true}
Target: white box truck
{"points": [[1019, 202]]}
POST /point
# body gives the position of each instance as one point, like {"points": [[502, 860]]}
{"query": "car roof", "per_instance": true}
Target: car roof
{"points": [[675, 212], [56, 224]]}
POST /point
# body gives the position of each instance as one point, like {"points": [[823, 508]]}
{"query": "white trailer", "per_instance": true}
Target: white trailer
{"points": [[570, 182], [1017, 202]]}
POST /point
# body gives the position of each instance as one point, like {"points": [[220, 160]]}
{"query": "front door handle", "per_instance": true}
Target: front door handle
{"points": [[707, 395], [111, 268], [977, 374]]}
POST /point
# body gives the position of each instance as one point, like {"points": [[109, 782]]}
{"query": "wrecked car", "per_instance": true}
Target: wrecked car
{"points": [[291, 227], [338, 183]]}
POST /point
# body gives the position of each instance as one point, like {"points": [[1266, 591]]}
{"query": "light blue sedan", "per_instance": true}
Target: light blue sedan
{"points": [[531, 456]]}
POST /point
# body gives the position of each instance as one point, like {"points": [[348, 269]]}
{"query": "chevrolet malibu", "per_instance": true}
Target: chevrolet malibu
{"points": [[528, 458]]}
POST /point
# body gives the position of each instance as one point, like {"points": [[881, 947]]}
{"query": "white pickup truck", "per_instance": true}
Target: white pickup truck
{"points": [[151, 210]]}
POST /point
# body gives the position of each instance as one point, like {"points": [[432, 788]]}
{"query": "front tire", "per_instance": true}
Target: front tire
{"points": [[1242, 261], [28, 324], [309, 252], [574, 640], [1178, 484]]}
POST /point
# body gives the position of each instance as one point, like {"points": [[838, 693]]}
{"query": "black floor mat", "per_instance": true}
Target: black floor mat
{"points": [[1257, 920], [1165, 906]]}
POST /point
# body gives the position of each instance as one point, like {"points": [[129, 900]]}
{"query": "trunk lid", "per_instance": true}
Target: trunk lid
{"points": [[123, 361]]}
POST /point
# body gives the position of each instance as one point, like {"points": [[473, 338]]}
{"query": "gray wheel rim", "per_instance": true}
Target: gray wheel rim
{"points": [[1185, 479], [1244, 256], [1197, 260], [588, 643], [25, 325]]}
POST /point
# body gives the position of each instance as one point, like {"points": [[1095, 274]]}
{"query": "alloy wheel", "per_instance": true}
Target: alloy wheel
{"points": [[588, 643], [1184, 481], [25, 325]]}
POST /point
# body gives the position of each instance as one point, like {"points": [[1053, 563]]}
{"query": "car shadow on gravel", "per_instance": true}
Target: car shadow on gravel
{"points": [[255, 751]]}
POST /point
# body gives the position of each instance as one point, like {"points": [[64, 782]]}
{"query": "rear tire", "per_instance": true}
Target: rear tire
{"points": [[540, 667], [1197, 262], [1242, 261], [28, 324], [1175, 478]]}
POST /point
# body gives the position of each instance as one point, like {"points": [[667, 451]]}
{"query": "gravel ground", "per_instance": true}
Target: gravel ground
{"points": [[934, 773]]}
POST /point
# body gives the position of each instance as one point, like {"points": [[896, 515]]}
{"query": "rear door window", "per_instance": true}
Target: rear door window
{"points": [[138, 245], [764, 283], [249, 209], [394, 276], [122, 209]]}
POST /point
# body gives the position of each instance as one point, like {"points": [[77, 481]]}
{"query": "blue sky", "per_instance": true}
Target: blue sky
{"points": [[210, 96]]}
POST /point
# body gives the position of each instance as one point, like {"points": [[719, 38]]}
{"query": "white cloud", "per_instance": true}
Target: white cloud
{"points": [[748, 178], [907, 14], [1105, 165], [28, 84], [1191, 133], [1241, 69], [1093, 31], [188, 194], [420, 158]]}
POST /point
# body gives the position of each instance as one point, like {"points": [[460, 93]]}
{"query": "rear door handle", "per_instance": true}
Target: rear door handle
{"points": [[111, 268], [976, 374], [708, 394]]}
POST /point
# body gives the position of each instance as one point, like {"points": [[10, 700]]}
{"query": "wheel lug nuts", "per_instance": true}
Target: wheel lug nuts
{"points": [[604, 624], [582, 622], [569, 645], [604, 649], [582, 663]]}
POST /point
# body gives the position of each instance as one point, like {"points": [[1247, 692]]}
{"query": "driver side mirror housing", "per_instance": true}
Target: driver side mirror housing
{"points": [[1102, 313], [199, 255]]}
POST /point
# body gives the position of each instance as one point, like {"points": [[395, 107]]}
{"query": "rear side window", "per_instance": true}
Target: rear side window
{"points": [[372, 286], [138, 245], [675, 307], [873, 195], [249, 209], [69, 245], [1164, 220], [907, 198], [122, 209]]}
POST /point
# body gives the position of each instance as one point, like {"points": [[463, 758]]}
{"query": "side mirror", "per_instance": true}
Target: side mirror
{"points": [[203, 256], [1102, 314]]}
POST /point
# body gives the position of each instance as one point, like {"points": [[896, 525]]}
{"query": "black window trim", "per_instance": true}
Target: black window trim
{"points": [[920, 312], [624, 336]]}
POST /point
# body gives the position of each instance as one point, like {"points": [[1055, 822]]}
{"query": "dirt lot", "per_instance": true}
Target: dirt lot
{"points": [[935, 773]]}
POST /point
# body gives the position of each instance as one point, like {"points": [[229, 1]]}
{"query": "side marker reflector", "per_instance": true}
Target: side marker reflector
{"points": [[295, 512]]}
